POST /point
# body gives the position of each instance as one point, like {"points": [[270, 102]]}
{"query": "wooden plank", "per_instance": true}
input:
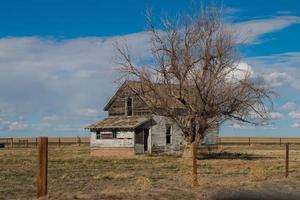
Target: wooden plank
{"points": [[43, 167]]}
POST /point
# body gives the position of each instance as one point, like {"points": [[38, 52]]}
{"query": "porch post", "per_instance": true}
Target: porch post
{"points": [[150, 140]]}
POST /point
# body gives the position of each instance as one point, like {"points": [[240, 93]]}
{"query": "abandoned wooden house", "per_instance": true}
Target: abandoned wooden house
{"points": [[131, 128]]}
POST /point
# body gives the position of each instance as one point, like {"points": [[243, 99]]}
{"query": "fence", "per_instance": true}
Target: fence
{"points": [[258, 140], [285, 161], [25, 142], [33, 141]]}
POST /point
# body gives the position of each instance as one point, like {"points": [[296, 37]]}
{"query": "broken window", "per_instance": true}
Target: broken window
{"points": [[129, 106], [106, 135], [168, 134]]}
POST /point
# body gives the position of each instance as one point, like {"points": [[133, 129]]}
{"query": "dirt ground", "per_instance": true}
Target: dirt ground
{"points": [[231, 172]]}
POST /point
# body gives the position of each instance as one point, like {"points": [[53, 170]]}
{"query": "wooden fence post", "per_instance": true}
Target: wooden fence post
{"points": [[12, 142], [26, 142], [59, 142], [249, 142], [79, 141], [280, 141], [36, 141], [287, 160], [43, 167]]}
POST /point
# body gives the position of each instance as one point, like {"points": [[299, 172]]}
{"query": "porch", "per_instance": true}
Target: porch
{"points": [[121, 134]]}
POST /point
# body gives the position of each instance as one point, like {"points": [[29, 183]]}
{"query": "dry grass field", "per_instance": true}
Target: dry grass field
{"points": [[227, 173]]}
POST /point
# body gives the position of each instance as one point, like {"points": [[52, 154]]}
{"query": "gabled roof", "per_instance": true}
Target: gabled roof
{"points": [[136, 86], [120, 89], [123, 122]]}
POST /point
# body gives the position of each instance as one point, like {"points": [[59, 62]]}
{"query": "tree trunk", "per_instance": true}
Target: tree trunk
{"points": [[190, 153], [194, 158]]}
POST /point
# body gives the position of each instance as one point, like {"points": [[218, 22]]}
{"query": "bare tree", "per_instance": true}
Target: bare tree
{"points": [[194, 77]]}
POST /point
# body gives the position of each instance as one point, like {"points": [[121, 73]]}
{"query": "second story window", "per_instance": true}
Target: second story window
{"points": [[129, 106], [114, 134], [168, 134], [98, 135]]}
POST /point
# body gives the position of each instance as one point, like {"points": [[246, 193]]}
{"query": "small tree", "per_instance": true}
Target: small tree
{"points": [[194, 77]]}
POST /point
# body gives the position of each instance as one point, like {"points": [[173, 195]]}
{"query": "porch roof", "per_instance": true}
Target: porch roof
{"points": [[120, 122]]}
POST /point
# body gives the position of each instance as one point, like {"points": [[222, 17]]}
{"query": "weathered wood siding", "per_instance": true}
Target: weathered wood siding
{"points": [[124, 139], [139, 107], [158, 136], [118, 107]]}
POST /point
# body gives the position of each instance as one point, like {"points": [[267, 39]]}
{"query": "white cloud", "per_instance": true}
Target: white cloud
{"points": [[276, 115], [242, 71], [88, 112], [12, 126], [15, 126], [294, 114], [247, 126], [290, 106], [67, 128], [61, 82], [240, 126], [296, 125], [250, 31], [41, 126], [271, 115], [279, 69], [277, 79]]}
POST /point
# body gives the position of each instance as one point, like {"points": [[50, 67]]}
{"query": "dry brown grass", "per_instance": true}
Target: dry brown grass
{"points": [[74, 174]]}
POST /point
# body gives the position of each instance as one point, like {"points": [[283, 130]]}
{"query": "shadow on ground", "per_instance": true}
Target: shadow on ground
{"points": [[232, 156]]}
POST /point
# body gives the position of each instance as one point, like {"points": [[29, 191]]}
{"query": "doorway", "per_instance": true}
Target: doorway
{"points": [[146, 136]]}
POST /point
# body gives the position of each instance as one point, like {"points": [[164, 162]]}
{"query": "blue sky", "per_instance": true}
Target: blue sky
{"points": [[57, 69]]}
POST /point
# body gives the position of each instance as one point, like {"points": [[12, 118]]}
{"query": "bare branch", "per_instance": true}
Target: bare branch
{"points": [[191, 75]]}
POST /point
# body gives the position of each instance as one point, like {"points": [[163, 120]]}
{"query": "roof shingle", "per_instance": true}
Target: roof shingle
{"points": [[119, 122]]}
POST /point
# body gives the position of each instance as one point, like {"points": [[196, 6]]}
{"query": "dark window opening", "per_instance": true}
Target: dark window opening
{"points": [[146, 136], [129, 106], [168, 134], [98, 135], [114, 134]]}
